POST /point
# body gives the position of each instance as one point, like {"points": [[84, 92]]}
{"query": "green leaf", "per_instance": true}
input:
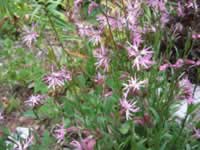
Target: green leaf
{"points": [[124, 128]]}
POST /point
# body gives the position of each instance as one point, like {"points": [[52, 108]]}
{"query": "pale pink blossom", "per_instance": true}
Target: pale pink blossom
{"points": [[141, 58], [186, 90], [116, 22], [157, 5], [179, 63], [196, 36], [57, 79], [101, 54], [129, 107], [59, 133], [35, 100], [136, 38], [30, 36], [133, 85], [196, 133], [99, 79], [87, 143], [134, 11], [180, 10], [164, 67], [88, 31], [92, 6]]}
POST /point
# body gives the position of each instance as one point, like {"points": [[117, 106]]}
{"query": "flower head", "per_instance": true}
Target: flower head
{"points": [[197, 133], [57, 79], [129, 107], [157, 5], [59, 133], [30, 36], [92, 6], [87, 143], [187, 90], [103, 60], [142, 58], [34, 100], [133, 85]]}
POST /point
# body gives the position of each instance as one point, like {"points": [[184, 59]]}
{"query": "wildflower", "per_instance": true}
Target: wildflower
{"points": [[179, 63], [30, 36], [34, 100], [88, 31], [142, 58], [117, 22], [144, 120], [187, 90], [87, 143], [1, 116], [133, 85], [92, 6], [99, 79], [164, 18], [23, 144], [57, 79], [103, 60], [163, 67], [134, 11], [157, 5], [128, 107], [197, 133], [195, 36], [180, 10], [59, 133], [136, 38]]}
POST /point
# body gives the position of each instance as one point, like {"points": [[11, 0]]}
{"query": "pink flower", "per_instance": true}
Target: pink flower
{"points": [[180, 10], [34, 100], [134, 11], [187, 90], [136, 38], [114, 22], [157, 5], [179, 63], [164, 18], [133, 85], [87, 143], [60, 132], [197, 133], [99, 79], [57, 79], [92, 6], [1, 116], [88, 31], [30, 36], [163, 67], [129, 107], [103, 60], [196, 36], [142, 58]]}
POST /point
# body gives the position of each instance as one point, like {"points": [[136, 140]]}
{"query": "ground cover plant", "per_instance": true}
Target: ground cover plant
{"points": [[99, 75]]}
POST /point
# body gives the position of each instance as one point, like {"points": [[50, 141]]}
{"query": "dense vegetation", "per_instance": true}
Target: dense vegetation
{"points": [[102, 74]]}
